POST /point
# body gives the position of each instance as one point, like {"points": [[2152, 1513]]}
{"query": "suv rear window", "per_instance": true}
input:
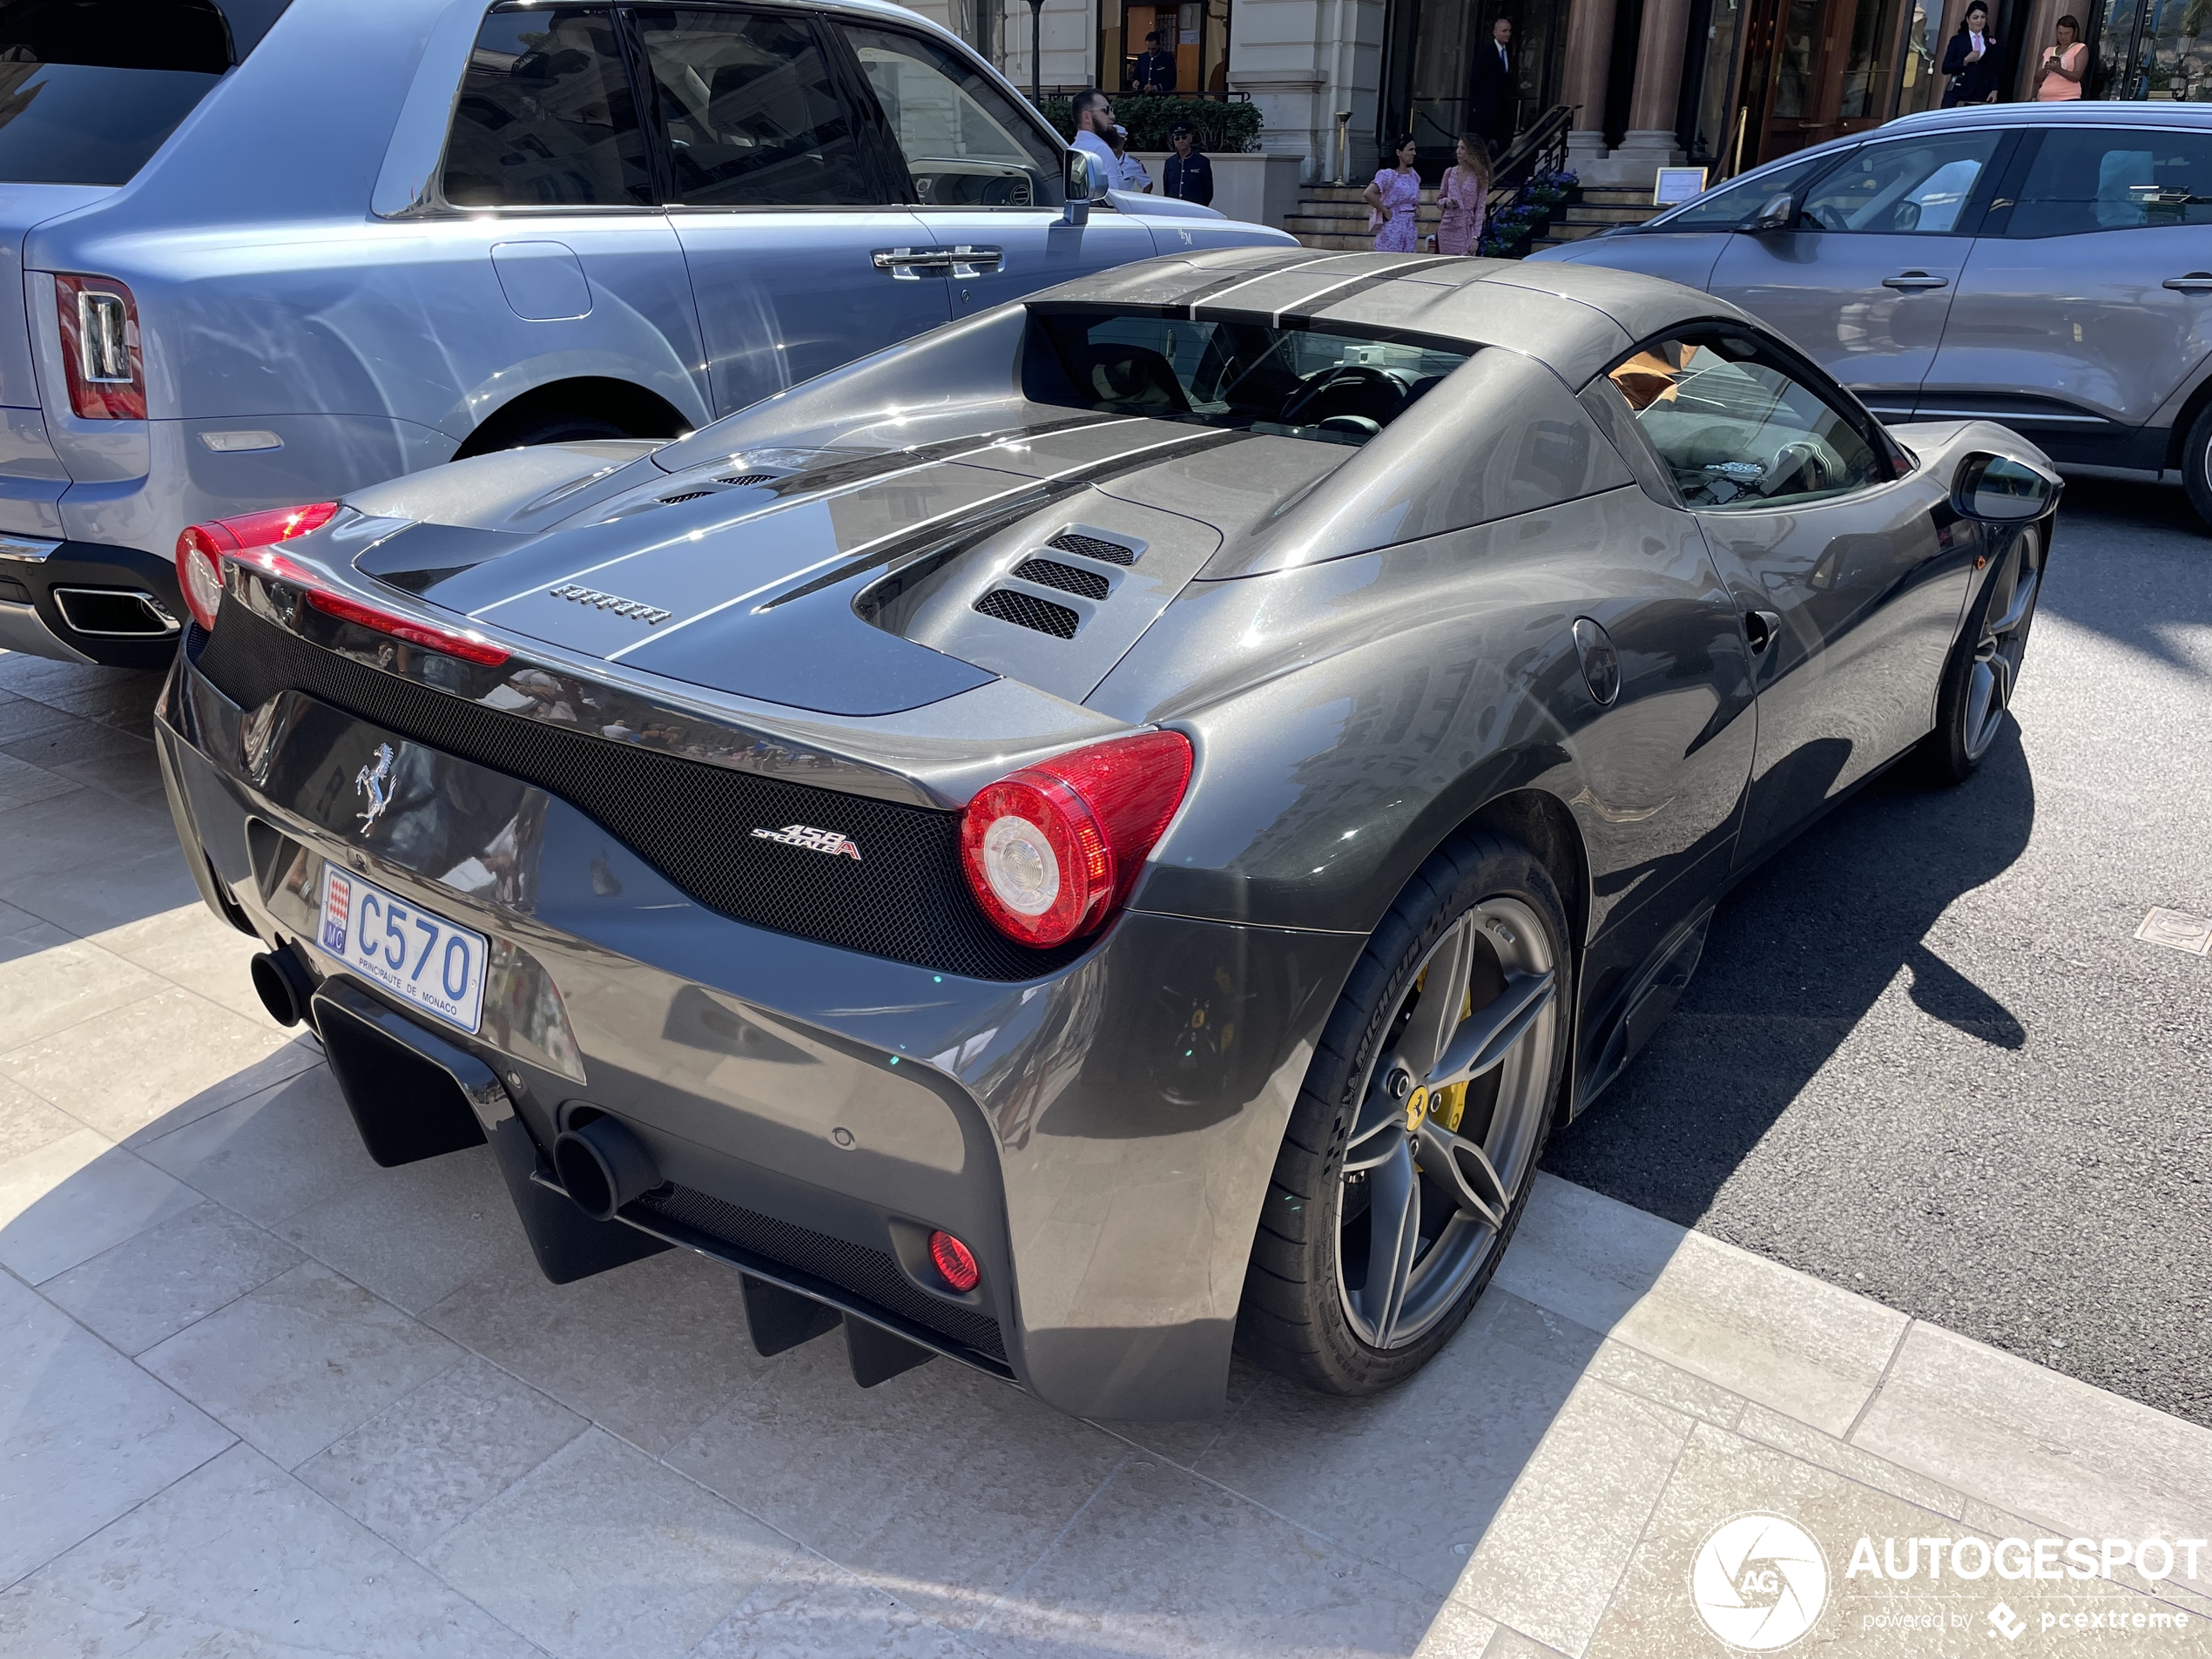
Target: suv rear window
{"points": [[89, 89]]}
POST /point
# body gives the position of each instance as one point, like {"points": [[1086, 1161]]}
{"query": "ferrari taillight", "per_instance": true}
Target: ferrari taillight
{"points": [[1051, 850], [100, 355]]}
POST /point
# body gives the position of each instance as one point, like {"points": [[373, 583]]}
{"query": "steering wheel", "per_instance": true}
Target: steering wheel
{"points": [[1799, 468], [1312, 389]]}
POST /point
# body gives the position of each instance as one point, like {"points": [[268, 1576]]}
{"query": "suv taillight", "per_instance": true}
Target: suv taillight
{"points": [[99, 320], [1051, 850]]}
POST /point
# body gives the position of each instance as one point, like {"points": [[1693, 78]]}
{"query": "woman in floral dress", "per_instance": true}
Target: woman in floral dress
{"points": [[1395, 201], [1465, 197]]}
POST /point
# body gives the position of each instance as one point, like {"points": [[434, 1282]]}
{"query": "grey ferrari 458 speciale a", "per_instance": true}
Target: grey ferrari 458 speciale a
{"points": [[1104, 833]]}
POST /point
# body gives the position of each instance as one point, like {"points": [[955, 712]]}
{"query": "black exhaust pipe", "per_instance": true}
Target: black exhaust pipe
{"points": [[283, 982], [603, 1166]]}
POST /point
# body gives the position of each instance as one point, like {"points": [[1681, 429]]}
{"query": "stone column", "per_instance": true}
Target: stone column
{"points": [[1650, 138], [1584, 79]]}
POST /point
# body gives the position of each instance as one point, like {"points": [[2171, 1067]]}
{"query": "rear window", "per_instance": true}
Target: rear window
{"points": [[89, 89], [1244, 376]]}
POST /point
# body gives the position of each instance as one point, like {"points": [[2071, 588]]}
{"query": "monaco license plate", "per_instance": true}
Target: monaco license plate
{"points": [[403, 947]]}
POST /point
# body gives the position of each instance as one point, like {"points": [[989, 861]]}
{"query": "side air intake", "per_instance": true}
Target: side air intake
{"points": [[1093, 547], [1050, 573], [1027, 610]]}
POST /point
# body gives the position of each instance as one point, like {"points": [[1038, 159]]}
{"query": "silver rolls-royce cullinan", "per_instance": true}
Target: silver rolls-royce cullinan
{"points": [[1110, 831]]}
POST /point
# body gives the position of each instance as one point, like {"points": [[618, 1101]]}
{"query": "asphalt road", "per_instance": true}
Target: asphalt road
{"points": [[1925, 1056]]}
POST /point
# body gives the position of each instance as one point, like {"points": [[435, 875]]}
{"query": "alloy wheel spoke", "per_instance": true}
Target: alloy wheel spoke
{"points": [[1464, 1169], [1444, 990], [1394, 1235], [1488, 1034], [2023, 599]]}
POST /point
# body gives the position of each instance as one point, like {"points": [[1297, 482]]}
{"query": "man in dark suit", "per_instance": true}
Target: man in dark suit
{"points": [[1494, 93], [1189, 175], [1155, 67]]}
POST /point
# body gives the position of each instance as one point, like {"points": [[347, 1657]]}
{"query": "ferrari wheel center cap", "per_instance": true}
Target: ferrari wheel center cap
{"points": [[1416, 1108]]}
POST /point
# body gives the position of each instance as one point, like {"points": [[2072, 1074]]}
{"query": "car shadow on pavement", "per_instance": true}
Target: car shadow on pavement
{"points": [[2156, 585], [1797, 956]]}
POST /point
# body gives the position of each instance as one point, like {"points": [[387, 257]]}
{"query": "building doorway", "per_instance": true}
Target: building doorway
{"points": [[1195, 32], [1816, 70], [1428, 59]]}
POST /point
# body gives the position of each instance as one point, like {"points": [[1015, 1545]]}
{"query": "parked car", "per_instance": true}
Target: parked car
{"points": [[270, 252], [2045, 265], [1119, 822]]}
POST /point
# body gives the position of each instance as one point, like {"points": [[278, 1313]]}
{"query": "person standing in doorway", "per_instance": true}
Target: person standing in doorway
{"points": [[2065, 66], [1189, 176], [1093, 113], [1155, 67], [1465, 197], [1394, 201], [1494, 94], [1970, 60]]}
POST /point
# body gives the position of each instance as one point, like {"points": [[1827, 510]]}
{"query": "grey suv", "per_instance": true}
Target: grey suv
{"points": [[269, 252], [2046, 265]]}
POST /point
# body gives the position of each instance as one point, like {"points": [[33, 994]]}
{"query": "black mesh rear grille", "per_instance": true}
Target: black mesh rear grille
{"points": [[869, 1274], [689, 495], [745, 479], [1027, 610], [904, 898], [1052, 574], [1091, 548]]}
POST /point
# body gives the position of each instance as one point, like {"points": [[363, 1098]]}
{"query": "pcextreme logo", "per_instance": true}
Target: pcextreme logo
{"points": [[1759, 1581]]}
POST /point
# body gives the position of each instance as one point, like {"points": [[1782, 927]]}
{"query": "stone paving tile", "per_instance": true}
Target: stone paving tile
{"points": [[1448, 1446], [194, 947], [132, 775], [417, 1233], [809, 1606], [1790, 1342], [76, 1196], [85, 1435], [22, 783], [1549, 1561], [940, 1482], [601, 1550], [302, 1360], [179, 1045], [239, 1560], [433, 1458], [1509, 1643], [649, 1351], [1634, 1371], [78, 740], [22, 717], [1459, 1632], [298, 1054], [28, 1123], [153, 1285], [60, 982], [1185, 1443], [87, 899], [270, 1155], [1164, 1562], [2044, 1445], [1786, 1433]]}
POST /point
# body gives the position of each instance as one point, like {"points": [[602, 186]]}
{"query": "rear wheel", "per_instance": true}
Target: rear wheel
{"points": [[1412, 1147], [561, 428], [2196, 464], [1984, 666]]}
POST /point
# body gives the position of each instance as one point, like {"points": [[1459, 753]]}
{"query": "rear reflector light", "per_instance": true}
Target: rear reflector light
{"points": [[99, 323], [1051, 850], [250, 539], [955, 1261]]}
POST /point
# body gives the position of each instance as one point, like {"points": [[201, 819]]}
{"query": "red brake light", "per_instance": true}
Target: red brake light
{"points": [[1050, 850], [955, 1261], [99, 320], [249, 539]]}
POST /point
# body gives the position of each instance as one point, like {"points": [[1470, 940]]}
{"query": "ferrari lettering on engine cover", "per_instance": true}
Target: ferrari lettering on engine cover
{"points": [[637, 609], [814, 840]]}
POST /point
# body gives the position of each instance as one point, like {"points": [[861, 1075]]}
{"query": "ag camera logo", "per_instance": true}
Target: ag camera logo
{"points": [[1759, 1582]]}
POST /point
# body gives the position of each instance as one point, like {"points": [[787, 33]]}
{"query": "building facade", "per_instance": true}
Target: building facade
{"points": [[1721, 83]]}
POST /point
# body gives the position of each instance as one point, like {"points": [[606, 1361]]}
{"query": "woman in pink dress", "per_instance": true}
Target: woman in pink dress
{"points": [[2060, 73], [1395, 201], [1465, 197]]}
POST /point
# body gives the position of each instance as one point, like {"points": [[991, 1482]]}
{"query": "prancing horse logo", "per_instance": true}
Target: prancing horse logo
{"points": [[370, 781]]}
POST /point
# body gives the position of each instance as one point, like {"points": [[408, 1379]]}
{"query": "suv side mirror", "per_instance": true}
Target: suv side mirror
{"points": [[1780, 213], [1998, 490], [1083, 184]]}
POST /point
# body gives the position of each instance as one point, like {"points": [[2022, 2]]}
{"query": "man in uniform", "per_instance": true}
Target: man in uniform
{"points": [[1189, 176]]}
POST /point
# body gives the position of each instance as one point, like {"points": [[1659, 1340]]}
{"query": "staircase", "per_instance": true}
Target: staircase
{"points": [[1591, 210], [1334, 216]]}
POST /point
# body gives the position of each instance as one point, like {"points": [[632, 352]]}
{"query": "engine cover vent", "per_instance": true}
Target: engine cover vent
{"points": [[1052, 574], [745, 480], [1027, 610], [1092, 546], [689, 495]]}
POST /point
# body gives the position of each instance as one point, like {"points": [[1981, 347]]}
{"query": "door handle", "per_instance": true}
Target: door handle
{"points": [[1912, 281], [1760, 629], [2194, 282], [912, 263], [965, 262]]}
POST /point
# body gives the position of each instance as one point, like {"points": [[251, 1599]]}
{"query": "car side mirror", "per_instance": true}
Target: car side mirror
{"points": [[1997, 490], [1780, 213], [1083, 184]]}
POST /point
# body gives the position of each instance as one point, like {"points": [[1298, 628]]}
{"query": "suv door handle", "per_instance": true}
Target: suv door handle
{"points": [[1760, 627], [2194, 282], [1915, 279], [912, 263], [965, 261]]}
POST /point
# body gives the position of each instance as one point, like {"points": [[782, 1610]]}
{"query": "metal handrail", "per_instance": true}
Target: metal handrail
{"points": [[1539, 148]]}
